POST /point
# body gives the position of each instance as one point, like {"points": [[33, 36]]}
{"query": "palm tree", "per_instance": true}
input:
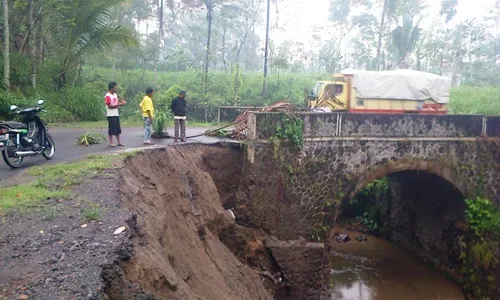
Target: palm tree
{"points": [[388, 10], [84, 29], [405, 37]]}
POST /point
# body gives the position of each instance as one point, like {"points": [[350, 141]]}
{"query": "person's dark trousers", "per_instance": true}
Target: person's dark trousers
{"points": [[114, 127], [180, 125]]}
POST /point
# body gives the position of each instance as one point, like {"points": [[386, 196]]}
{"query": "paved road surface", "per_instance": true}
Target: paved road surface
{"points": [[66, 150]]}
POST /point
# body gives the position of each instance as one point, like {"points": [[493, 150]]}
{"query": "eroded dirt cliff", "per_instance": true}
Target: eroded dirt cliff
{"points": [[177, 253]]}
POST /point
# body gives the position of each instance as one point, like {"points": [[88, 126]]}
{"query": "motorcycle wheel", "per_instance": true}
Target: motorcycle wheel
{"points": [[50, 147], [13, 162]]}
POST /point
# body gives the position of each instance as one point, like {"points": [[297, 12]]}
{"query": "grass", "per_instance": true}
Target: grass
{"points": [[92, 213], [73, 173], [50, 212], [53, 181], [27, 196], [475, 100]]}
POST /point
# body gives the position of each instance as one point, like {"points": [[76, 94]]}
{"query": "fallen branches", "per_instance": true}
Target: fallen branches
{"points": [[240, 123]]}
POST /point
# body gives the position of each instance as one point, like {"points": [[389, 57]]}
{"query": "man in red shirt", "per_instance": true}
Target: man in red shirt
{"points": [[112, 104]]}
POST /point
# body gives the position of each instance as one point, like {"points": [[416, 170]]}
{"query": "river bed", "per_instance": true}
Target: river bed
{"points": [[379, 270]]}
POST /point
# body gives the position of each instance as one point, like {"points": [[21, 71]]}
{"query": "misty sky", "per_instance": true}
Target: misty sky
{"points": [[300, 16]]}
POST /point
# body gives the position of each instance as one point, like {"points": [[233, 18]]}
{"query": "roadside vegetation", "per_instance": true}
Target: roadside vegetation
{"points": [[82, 106], [53, 182]]}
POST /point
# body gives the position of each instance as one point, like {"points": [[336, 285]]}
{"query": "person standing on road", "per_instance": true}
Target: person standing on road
{"points": [[148, 110], [112, 114], [179, 109]]}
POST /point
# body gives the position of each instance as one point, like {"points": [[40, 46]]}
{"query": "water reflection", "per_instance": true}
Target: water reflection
{"points": [[379, 270]]}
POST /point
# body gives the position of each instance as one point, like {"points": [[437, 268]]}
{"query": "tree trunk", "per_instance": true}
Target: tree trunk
{"points": [[265, 91], [6, 34], [207, 53], [114, 67], [40, 38], [161, 19], [380, 32], [223, 52], [32, 43]]}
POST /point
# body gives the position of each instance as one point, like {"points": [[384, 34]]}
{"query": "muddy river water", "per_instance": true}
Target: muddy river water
{"points": [[379, 270]]}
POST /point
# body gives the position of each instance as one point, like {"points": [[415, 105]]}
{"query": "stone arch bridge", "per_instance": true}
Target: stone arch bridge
{"points": [[289, 192]]}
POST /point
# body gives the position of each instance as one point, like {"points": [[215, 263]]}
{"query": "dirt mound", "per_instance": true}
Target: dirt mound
{"points": [[177, 252]]}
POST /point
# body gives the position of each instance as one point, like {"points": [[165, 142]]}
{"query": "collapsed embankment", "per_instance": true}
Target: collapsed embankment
{"points": [[187, 246]]}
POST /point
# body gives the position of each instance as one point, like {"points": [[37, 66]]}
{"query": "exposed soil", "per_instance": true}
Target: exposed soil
{"points": [[177, 252], [181, 240]]}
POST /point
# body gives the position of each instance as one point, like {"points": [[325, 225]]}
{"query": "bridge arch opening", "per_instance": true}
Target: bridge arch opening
{"points": [[419, 211]]}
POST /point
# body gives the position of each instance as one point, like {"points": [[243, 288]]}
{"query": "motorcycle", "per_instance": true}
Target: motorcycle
{"points": [[27, 138]]}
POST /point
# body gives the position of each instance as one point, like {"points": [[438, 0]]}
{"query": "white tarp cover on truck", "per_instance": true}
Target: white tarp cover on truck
{"points": [[401, 85]]}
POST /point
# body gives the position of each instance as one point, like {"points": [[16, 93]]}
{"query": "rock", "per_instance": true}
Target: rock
{"points": [[342, 238], [231, 214], [361, 238], [93, 246], [53, 260], [23, 296], [120, 230]]}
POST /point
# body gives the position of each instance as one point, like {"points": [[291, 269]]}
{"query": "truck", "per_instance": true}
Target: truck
{"points": [[390, 92]]}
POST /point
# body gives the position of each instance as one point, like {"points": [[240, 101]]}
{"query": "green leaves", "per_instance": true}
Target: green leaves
{"points": [[161, 120], [85, 29], [291, 128], [89, 138], [482, 216]]}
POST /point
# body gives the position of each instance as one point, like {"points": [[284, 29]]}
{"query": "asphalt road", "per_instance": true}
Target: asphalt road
{"points": [[66, 150]]}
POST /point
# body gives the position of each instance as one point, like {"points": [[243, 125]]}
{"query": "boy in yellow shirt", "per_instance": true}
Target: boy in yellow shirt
{"points": [[148, 111]]}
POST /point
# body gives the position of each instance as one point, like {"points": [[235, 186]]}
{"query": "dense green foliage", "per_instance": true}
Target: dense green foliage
{"points": [[367, 203], [291, 127], [482, 216], [479, 253], [475, 100], [84, 102]]}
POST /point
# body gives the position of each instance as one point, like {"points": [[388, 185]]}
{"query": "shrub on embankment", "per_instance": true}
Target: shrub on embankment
{"points": [[84, 100], [480, 253]]}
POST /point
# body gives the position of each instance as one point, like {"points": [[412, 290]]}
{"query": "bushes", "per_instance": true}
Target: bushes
{"points": [[482, 216], [222, 86], [84, 103]]}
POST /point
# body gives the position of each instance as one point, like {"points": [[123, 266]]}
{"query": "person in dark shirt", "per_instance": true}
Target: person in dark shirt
{"points": [[179, 110]]}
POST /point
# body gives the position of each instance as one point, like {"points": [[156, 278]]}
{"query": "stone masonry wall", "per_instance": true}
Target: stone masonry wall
{"points": [[384, 125], [290, 194]]}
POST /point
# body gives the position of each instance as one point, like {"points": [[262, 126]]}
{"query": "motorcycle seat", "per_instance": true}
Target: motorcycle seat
{"points": [[14, 125]]}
